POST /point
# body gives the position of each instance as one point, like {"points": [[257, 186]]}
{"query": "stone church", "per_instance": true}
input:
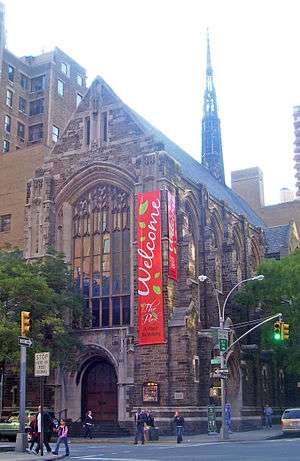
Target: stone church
{"points": [[137, 216]]}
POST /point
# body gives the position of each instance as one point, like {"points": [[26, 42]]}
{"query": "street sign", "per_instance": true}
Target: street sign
{"points": [[25, 341], [222, 334], [215, 361], [211, 420], [223, 344], [42, 364]]}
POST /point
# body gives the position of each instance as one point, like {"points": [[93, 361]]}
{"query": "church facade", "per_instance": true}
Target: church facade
{"points": [[107, 170]]}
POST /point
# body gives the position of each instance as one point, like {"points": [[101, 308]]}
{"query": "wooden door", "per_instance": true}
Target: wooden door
{"points": [[101, 392]]}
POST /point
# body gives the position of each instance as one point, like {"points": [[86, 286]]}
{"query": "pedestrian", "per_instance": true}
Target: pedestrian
{"points": [[33, 433], [88, 425], [268, 412], [179, 424], [62, 437], [140, 421], [47, 430]]}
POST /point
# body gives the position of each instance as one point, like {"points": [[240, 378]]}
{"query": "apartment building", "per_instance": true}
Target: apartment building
{"points": [[38, 95]]}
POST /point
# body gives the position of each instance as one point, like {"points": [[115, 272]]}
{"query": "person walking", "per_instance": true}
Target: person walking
{"points": [[140, 420], [47, 429], [62, 437], [33, 433], [179, 424], [268, 412], [88, 425]]}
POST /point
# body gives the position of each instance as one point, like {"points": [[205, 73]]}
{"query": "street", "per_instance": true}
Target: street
{"points": [[264, 450]]}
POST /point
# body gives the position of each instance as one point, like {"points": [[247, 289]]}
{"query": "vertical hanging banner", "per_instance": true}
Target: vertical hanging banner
{"points": [[150, 290], [172, 236]]}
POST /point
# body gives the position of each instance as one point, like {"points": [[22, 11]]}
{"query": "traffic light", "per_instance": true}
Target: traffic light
{"points": [[285, 333], [277, 330], [25, 323]]}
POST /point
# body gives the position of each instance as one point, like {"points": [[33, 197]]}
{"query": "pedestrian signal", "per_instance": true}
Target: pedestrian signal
{"points": [[25, 323], [277, 331], [285, 331]]}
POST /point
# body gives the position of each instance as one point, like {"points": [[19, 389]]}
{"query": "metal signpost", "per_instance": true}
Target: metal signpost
{"points": [[42, 369], [22, 439]]}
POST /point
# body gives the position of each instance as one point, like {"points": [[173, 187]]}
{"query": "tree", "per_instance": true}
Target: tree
{"points": [[43, 287], [278, 292]]}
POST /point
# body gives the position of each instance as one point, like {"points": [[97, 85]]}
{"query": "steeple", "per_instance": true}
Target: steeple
{"points": [[212, 155]]}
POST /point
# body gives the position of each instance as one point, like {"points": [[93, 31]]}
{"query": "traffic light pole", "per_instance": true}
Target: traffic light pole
{"points": [[279, 315], [223, 431], [22, 441]]}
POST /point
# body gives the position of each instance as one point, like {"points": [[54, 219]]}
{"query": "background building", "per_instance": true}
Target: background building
{"points": [[38, 95]]}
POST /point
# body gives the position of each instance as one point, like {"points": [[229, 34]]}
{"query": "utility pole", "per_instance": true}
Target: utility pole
{"points": [[22, 441]]}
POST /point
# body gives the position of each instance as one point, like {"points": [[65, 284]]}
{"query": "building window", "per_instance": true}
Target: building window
{"points": [[60, 87], [6, 146], [9, 98], [101, 255], [36, 107], [7, 123], [65, 68], [55, 133], [21, 131], [78, 99], [87, 123], [196, 368], [22, 105], [24, 82], [5, 221], [10, 73], [35, 132], [79, 80], [103, 126], [38, 83]]}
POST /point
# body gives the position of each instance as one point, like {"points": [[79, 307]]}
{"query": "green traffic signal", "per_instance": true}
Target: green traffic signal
{"points": [[277, 331]]}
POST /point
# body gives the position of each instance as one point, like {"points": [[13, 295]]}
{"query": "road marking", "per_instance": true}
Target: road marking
{"points": [[88, 458]]}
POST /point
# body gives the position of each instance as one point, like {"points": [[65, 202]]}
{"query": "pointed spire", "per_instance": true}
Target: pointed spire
{"points": [[209, 70], [212, 154]]}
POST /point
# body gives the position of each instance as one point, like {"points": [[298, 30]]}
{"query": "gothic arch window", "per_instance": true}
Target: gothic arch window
{"points": [[192, 252], [255, 255], [238, 256], [101, 255], [217, 248]]}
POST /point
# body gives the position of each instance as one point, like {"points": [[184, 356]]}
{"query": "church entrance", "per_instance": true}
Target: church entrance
{"points": [[99, 391]]}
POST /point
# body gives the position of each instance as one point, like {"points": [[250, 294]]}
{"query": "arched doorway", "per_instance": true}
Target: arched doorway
{"points": [[99, 391]]}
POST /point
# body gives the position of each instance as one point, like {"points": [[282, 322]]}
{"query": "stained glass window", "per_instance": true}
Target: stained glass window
{"points": [[101, 255]]}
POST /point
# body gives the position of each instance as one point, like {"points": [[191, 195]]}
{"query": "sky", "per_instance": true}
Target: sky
{"points": [[153, 55]]}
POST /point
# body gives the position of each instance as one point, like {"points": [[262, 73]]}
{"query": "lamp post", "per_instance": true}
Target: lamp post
{"points": [[203, 278]]}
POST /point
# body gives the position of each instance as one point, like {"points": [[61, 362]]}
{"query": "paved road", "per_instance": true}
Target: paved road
{"points": [[266, 450]]}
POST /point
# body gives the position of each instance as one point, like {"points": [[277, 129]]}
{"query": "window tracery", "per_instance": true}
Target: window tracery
{"points": [[101, 254]]}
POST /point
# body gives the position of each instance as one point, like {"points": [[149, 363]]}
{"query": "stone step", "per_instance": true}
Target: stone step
{"points": [[100, 429]]}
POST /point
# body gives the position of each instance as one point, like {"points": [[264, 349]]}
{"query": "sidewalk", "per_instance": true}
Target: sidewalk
{"points": [[248, 436]]}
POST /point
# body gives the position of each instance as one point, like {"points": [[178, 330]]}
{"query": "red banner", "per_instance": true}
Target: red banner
{"points": [[150, 290], [172, 236]]}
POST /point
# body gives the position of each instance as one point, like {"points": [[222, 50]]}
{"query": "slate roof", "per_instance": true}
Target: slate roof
{"points": [[277, 238], [194, 171]]}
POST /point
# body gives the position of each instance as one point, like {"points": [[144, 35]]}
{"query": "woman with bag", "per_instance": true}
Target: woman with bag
{"points": [[62, 437]]}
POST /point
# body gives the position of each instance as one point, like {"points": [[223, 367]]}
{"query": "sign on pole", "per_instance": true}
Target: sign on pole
{"points": [[25, 341], [211, 420], [42, 364], [223, 339]]}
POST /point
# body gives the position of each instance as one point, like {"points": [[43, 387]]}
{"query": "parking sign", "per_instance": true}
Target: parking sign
{"points": [[42, 364]]}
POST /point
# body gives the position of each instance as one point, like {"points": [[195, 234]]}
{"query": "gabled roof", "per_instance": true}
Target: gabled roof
{"points": [[277, 238], [194, 171]]}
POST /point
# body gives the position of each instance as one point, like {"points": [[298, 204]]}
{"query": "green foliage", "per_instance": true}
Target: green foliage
{"points": [[278, 292], [43, 287]]}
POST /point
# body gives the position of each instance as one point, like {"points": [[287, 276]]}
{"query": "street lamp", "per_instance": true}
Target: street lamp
{"points": [[203, 278]]}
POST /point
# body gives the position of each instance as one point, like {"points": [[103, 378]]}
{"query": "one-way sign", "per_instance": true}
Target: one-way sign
{"points": [[24, 341]]}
